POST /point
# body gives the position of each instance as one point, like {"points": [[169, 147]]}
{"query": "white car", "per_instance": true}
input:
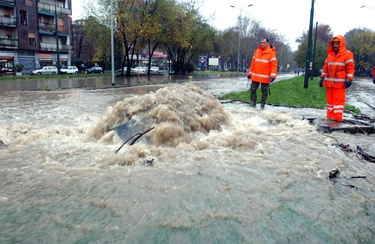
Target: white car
{"points": [[139, 69], [46, 70], [125, 69], [69, 70], [154, 69]]}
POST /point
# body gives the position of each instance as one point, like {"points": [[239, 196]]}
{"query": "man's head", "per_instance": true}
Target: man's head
{"points": [[263, 42], [335, 44]]}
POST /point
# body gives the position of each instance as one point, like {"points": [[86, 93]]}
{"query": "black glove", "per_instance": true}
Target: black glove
{"points": [[373, 80], [248, 76], [272, 80], [348, 83], [321, 82]]}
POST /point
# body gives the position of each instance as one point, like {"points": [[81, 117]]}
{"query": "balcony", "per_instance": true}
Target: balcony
{"points": [[45, 7], [8, 21], [9, 1], [49, 27], [8, 42], [65, 48], [52, 47]]}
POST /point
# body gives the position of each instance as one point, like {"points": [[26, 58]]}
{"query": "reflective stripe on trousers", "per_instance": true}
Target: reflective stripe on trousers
{"points": [[335, 103]]}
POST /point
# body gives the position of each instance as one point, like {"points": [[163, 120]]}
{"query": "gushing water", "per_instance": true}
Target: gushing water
{"points": [[206, 173]]}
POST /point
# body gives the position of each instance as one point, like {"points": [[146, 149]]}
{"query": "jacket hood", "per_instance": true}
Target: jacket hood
{"points": [[342, 44]]}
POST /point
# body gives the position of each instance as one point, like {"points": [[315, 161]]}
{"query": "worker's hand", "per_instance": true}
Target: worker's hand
{"points": [[321, 82], [249, 76], [272, 80], [348, 83]]}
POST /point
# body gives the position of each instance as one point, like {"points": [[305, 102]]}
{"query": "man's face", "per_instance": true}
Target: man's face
{"points": [[263, 43], [335, 46]]}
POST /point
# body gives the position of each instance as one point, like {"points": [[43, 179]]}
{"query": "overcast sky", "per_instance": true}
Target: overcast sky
{"points": [[289, 17]]}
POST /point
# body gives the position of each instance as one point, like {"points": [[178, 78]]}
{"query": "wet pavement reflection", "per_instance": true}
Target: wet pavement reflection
{"points": [[61, 82]]}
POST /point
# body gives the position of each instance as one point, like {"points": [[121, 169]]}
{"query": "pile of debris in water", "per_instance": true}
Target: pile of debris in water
{"points": [[2, 144], [360, 124], [360, 153], [334, 174]]}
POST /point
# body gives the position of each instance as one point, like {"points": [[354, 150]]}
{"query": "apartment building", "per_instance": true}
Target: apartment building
{"points": [[35, 33]]}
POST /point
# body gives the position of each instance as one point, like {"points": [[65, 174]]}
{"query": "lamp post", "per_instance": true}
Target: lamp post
{"points": [[57, 41], [308, 52], [239, 35], [112, 49]]}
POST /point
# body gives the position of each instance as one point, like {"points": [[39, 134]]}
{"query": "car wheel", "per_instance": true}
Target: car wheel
{"points": [[76, 73], [38, 73], [53, 73]]}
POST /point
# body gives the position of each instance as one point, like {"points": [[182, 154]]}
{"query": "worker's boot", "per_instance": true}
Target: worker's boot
{"points": [[253, 104], [253, 95], [264, 96]]}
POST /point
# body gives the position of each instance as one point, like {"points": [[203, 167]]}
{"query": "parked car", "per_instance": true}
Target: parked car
{"points": [[69, 70], [139, 69], [125, 69], [46, 70], [94, 69], [154, 69]]}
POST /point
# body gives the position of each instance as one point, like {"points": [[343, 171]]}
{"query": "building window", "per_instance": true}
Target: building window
{"points": [[29, 2], [60, 24], [61, 4], [23, 17], [63, 40], [6, 12], [8, 33], [32, 41]]}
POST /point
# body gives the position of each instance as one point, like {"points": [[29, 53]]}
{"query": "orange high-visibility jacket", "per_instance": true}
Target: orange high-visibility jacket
{"points": [[263, 65], [338, 68]]}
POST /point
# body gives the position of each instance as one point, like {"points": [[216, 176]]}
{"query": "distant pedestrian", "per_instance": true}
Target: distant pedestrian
{"points": [[262, 71], [83, 68], [337, 76]]}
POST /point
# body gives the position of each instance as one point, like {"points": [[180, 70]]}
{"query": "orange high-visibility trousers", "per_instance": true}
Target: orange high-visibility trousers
{"points": [[335, 102]]}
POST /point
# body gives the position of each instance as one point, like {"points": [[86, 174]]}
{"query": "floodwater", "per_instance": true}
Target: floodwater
{"points": [[94, 82], [205, 173]]}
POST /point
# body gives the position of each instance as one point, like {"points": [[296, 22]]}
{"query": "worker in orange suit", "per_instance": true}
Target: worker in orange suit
{"points": [[337, 76], [262, 71], [373, 75]]}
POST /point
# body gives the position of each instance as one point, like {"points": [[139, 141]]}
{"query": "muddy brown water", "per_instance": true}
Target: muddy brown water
{"points": [[219, 173]]}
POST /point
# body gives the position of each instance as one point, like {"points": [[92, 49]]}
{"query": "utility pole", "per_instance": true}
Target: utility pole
{"points": [[239, 35], [315, 39], [308, 52], [57, 40], [112, 48]]}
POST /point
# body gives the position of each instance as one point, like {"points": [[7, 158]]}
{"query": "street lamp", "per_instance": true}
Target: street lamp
{"points": [[112, 48], [239, 35], [308, 52], [57, 41]]}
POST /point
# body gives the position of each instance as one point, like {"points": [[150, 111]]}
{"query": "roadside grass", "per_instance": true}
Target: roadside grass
{"points": [[291, 93]]}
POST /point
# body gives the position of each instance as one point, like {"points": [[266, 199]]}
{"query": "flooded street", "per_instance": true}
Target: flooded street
{"points": [[206, 173]]}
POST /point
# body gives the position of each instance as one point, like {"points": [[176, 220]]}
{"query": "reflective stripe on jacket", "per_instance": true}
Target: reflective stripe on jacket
{"points": [[338, 68], [263, 65]]}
